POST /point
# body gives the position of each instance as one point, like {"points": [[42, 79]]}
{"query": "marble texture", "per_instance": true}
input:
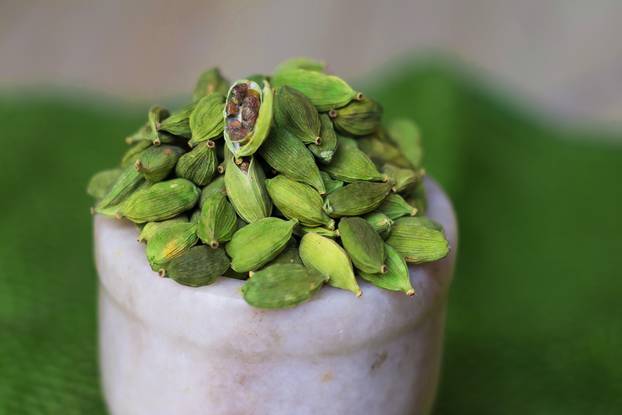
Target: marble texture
{"points": [[170, 349]]}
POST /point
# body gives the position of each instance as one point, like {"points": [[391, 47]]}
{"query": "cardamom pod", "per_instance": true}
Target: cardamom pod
{"points": [[288, 256], [151, 228], [247, 117], [381, 152], [356, 199], [418, 198], [363, 244], [210, 82], [324, 91], [402, 178], [358, 117], [290, 157], [178, 123], [168, 243], [351, 164], [380, 222], [397, 277], [325, 150], [418, 240], [101, 183], [155, 116], [329, 259], [206, 120], [215, 186], [328, 233], [144, 133], [246, 189], [281, 286], [329, 183], [394, 206], [156, 162], [200, 164], [258, 243], [198, 266], [133, 153], [160, 201], [295, 113], [301, 63], [218, 221], [407, 136], [298, 201], [128, 181]]}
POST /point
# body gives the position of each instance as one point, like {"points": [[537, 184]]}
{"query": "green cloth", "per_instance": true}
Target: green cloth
{"points": [[534, 322]]}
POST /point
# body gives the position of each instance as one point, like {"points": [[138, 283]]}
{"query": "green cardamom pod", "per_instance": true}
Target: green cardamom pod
{"points": [[258, 243], [325, 151], [329, 183], [218, 221], [290, 157], [215, 186], [330, 260], [160, 201], [155, 116], [144, 133], [168, 243], [295, 113], [298, 201], [397, 277], [128, 181], [358, 117], [206, 120], [394, 206], [324, 91], [380, 222], [356, 199], [133, 153], [288, 256], [402, 178], [418, 240], [281, 286], [407, 136], [178, 123], [151, 228], [247, 116], [418, 198], [210, 82], [301, 63], [328, 233], [381, 152], [101, 183], [156, 162], [363, 244], [198, 266], [246, 189], [351, 164], [200, 164]]}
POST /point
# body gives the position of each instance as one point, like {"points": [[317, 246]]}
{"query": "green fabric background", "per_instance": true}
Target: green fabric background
{"points": [[535, 313]]}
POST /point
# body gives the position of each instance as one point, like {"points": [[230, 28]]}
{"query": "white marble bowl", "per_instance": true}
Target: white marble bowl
{"points": [[170, 349]]}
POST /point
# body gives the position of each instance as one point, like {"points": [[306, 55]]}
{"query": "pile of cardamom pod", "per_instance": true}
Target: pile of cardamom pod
{"points": [[287, 181]]}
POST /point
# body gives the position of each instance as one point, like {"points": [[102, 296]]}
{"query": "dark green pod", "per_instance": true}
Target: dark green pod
{"points": [[356, 199], [200, 164], [329, 183], [350, 164], [358, 117], [156, 162], [397, 277], [218, 221], [382, 152], [295, 113], [363, 244], [198, 266], [325, 151], [418, 240], [407, 136]]}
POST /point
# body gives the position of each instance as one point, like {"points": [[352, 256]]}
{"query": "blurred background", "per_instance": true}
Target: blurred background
{"points": [[520, 106]]}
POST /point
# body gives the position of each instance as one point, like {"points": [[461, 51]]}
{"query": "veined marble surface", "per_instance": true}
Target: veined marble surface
{"points": [[170, 349]]}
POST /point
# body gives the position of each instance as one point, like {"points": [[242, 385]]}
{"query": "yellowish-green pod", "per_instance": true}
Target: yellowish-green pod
{"points": [[127, 182], [151, 228], [350, 164], [301, 63], [382, 152], [168, 243], [325, 151], [329, 259], [246, 189], [198, 266], [247, 117], [295, 113], [178, 123], [358, 117], [210, 82], [258, 243], [418, 240], [356, 199], [156, 162], [160, 201], [298, 201], [218, 221], [199, 165], [101, 183], [397, 277], [407, 136], [290, 157], [324, 91], [329, 183], [363, 244], [281, 286], [206, 121], [394, 206]]}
